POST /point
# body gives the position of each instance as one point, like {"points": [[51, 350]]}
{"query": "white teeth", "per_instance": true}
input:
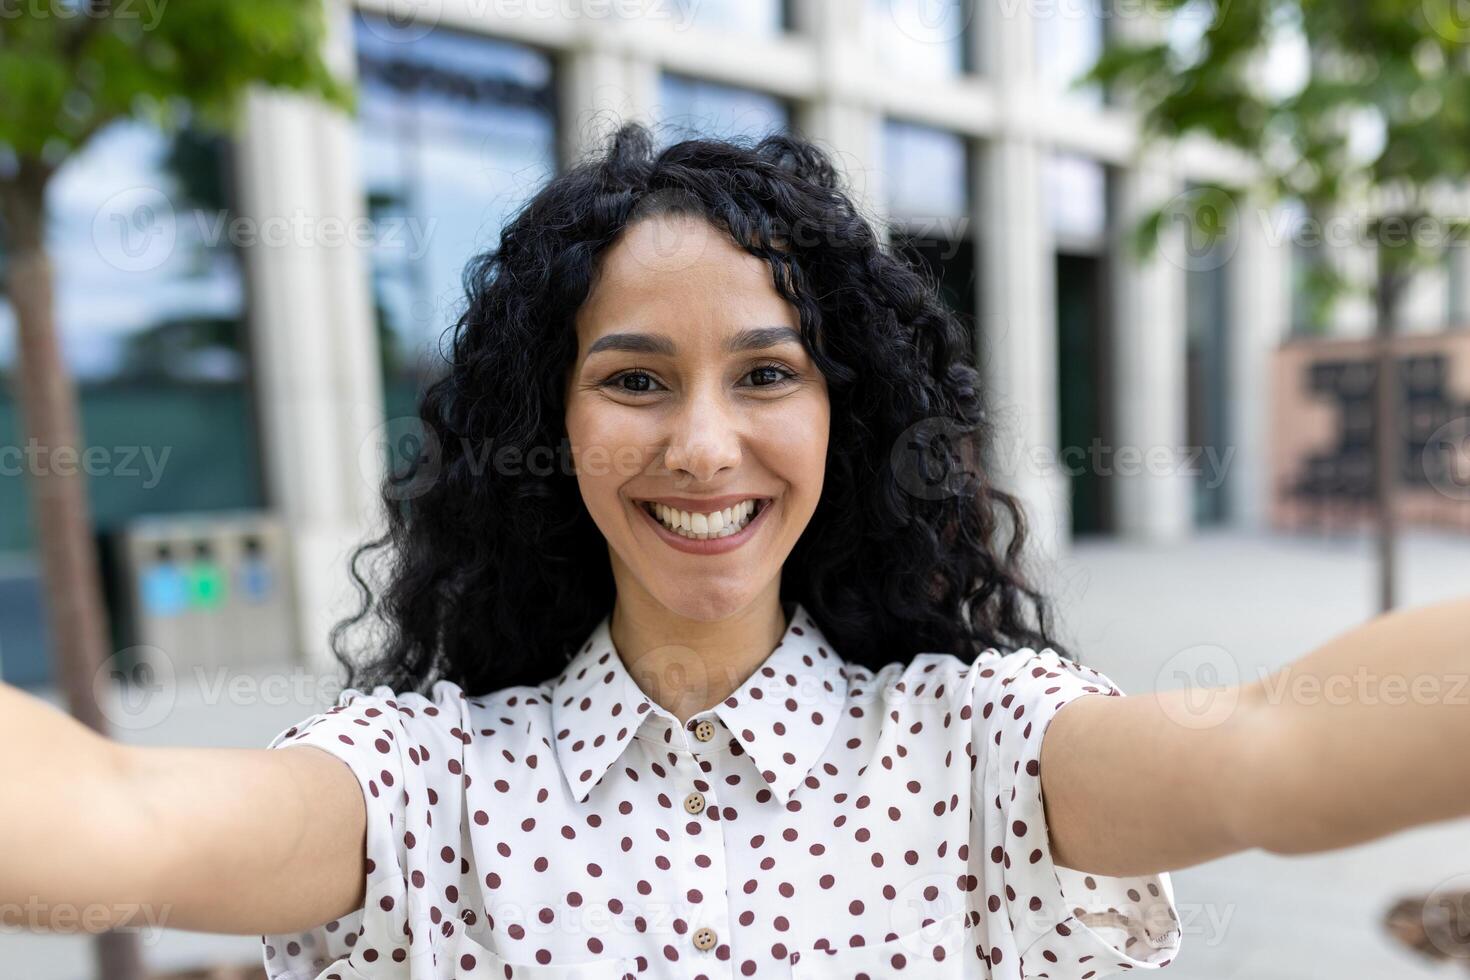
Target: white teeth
{"points": [[715, 524]]}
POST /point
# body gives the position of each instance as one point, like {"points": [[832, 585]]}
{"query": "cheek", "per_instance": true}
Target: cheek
{"points": [[610, 447], [796, 447]]}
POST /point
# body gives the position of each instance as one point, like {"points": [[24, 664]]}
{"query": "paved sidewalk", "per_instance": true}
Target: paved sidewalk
{"points": [[1128, 610]]}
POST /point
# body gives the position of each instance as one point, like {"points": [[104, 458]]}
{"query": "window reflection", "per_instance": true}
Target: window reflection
{"points": [[150, 312], [1311, 266], [1457, 299], [922, 38], [1069, 39], [694, 107], [1207, 366], [455, 132], [926, 172], [1075, 189], [927, 175], [760, 17]]}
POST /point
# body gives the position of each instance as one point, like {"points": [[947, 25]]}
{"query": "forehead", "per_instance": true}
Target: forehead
{"points": [[679, 272]]}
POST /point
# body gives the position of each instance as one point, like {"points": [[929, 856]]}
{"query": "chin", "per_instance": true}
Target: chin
{"points": [[705, 605]]}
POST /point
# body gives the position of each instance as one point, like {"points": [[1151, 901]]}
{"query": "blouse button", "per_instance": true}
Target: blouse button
{"points": [[704, 731], [705, 938], [694, 802]]}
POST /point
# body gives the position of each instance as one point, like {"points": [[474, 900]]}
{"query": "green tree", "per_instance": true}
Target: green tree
{"points": [[1376, 123], [68, 68]]}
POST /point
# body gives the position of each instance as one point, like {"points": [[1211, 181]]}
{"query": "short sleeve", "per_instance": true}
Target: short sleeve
{"points": [[1052, 922], [407, 753]]}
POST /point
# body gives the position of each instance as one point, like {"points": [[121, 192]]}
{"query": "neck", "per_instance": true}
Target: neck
{"points": [[687, 665]]}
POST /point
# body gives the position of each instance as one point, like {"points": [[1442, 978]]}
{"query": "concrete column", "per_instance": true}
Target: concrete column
{"points": [[1345, 246], [1457, 283], [1258, 278], [1425, 303], [1152, 485], [316, 360], [1017, 317], [850, 130], [1018, 337], [602, 86], [852, 135]]}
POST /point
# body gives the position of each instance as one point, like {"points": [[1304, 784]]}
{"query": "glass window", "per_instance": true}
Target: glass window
{"points": [[695, 107], [922, 38], [1310, 309], [1457, 298], [1207, 363], [1311, 269], [150, 310], [926, 172], [1075, 188], [760, 17], [927, 177], [150, 315], [455, 131], [1069, 39]]}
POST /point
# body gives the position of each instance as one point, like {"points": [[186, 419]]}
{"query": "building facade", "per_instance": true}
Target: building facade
{"points": [[272, 359]]}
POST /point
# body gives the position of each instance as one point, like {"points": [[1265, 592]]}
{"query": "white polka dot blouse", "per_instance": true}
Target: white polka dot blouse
{"points": [[823, 821]]}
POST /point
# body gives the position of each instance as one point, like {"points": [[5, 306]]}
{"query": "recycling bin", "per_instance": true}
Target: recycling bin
{"points": [[211, 590]]}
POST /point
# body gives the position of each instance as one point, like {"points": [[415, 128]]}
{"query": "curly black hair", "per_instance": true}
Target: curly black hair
{"points": [[494, 578]]}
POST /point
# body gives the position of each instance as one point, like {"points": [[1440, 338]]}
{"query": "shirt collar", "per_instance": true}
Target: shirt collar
{"points": [[782, 716]]}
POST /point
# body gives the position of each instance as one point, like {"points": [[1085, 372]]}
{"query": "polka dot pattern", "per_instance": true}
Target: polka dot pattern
{"points": [[838, 822]]}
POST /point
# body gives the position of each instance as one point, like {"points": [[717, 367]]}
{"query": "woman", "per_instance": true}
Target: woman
{"points": [[690, 662]]}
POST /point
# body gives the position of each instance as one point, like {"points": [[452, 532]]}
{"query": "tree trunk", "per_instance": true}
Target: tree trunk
{"points": [[1386, 442], [76, 616]]}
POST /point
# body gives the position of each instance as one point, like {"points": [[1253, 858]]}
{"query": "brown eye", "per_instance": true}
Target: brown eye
{"points": [[631, 382], [772, 374], [636, 382]]}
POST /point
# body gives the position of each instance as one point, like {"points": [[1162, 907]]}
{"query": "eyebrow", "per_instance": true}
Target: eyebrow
{"points": [[752, 338]]}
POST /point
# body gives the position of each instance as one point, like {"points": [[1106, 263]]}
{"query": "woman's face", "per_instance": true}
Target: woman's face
{"points": [[692, 393]]}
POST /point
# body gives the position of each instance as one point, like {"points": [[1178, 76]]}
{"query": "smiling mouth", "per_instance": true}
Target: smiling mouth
{"points": [[706, 526]]}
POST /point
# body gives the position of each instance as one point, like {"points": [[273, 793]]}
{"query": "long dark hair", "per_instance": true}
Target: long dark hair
{"points": [[492, 571]]}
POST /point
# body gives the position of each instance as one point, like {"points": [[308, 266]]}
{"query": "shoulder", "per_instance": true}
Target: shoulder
{"points": [[927, 682], [384, 735], [994, 679], [443, 713]]}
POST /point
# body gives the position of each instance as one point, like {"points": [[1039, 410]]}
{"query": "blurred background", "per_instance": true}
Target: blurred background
{"points": [[1184, 237]]}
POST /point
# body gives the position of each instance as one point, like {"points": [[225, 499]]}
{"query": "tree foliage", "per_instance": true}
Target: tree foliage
{"points": [[1362, 105], [69, 67]]}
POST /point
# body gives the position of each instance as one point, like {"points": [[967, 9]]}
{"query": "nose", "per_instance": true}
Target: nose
{"points": [[704, 442]]}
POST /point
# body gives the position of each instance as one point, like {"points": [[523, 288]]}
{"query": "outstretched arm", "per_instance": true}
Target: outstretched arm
{"points": [[1360, 738], [218, 840]]}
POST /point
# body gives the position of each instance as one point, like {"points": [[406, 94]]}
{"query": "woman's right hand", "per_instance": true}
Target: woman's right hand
{"points": [[97, 834]]}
